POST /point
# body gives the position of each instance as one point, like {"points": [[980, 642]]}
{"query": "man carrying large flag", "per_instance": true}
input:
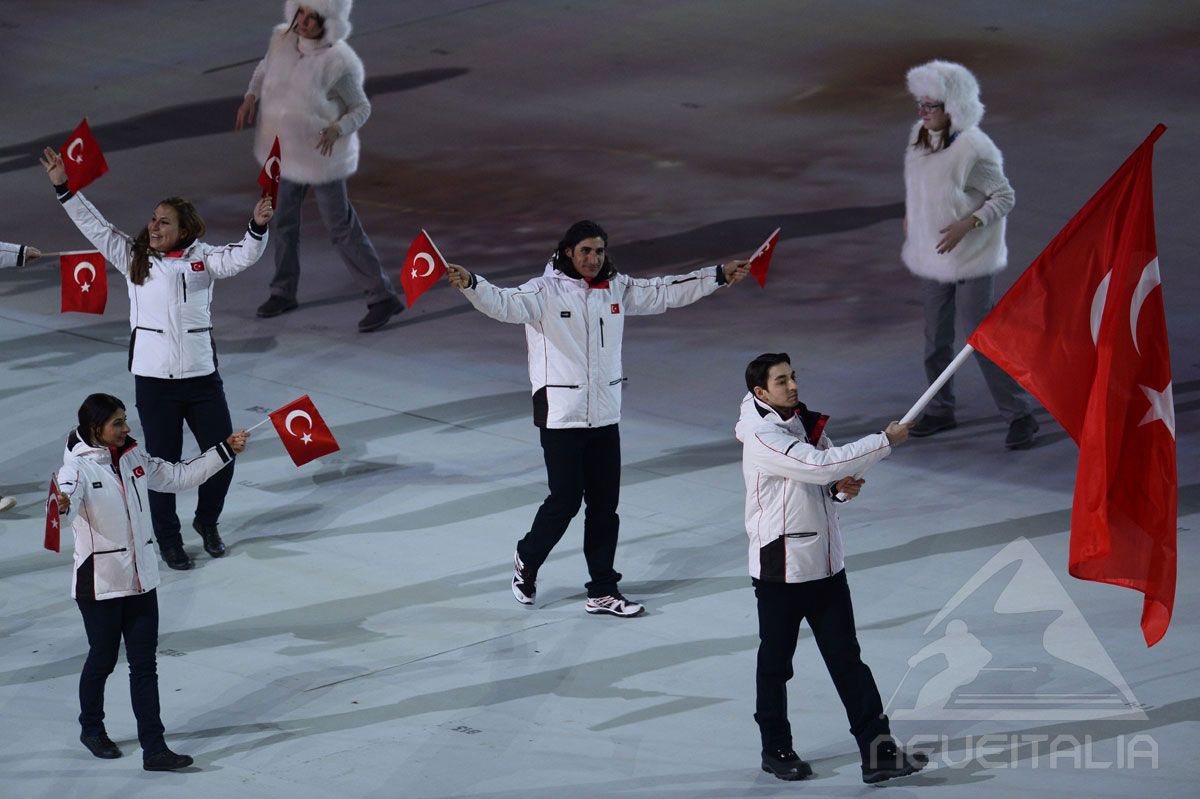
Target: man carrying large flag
{"points": [[1085, 331]]}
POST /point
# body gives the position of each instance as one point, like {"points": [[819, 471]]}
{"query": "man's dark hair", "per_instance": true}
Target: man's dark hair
{"points": [[583, 229], [94, 412], [758, 369]]}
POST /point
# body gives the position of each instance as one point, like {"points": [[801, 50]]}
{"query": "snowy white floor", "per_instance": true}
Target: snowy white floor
{"points": [[359, 639]]}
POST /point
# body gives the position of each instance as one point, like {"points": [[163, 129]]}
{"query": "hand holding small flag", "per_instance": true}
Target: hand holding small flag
{"points": [[268, 178], [80, 157], [760, 262], [423, 267]]}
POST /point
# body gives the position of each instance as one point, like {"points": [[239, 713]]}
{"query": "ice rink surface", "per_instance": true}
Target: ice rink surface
{"points": [[360, 639]]}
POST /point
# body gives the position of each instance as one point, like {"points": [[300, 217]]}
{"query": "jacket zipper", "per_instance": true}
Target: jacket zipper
{"points": [[588, 354], [183, 280], [602, 333], [137, 579], [137, 494]]}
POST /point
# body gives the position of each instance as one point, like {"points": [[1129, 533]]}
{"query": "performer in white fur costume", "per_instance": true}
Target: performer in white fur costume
{"points": [[310, 85], [956, 201]]}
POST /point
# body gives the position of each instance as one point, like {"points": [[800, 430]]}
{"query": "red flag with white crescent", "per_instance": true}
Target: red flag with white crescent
{"points": [[1084, 329], [84, 282], [303, 432], [268, 178], [53, 517], [423, 266], [760, 262], [82, 158]]}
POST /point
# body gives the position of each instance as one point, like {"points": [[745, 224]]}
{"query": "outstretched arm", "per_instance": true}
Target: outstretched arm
{"points": [[99, 231], [172, 477], [522, 305], [231, 259], [645, 296]]}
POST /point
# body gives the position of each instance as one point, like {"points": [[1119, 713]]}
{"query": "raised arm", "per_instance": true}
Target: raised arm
{"points": [[116, 246], [645, 296], [522, 305], [233, 258]]}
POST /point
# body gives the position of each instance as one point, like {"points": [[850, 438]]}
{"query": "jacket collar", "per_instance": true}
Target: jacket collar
{"points": [[80, 448], [563, 267], [813, 421]]}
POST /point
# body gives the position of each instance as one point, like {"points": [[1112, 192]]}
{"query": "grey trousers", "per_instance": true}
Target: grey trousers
{"points": [[968, 301], [345, 231]]}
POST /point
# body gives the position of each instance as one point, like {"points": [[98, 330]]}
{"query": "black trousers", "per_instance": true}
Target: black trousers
{"points": [[826, 605], [164, 406], [107, 621], [583, 465]]}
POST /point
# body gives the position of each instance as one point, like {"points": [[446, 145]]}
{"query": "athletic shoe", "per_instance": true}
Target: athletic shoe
{"points": [[930, 423], [101, 746], [7, 502], [785, 764], [166, 760], [615, 605], [887, 760], [524, 581]]}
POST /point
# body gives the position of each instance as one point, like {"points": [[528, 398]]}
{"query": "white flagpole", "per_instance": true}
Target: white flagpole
{"points": [[946, 374], [260, 424], [64, 252], [920, 404], [435, 247]]}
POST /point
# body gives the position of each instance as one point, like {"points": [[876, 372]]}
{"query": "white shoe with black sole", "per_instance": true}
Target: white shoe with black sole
{"points": [[524, 581], [614, 606]]}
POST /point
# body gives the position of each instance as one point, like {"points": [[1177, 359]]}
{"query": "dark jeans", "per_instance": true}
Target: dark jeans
{"points": [[826, 605], [106, 621], [163, 408], [345, 231], [583, 464]]}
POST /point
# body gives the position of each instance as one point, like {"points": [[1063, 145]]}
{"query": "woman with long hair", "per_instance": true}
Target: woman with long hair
{"points": [[956, 200], [171, 273], [102, 488]]}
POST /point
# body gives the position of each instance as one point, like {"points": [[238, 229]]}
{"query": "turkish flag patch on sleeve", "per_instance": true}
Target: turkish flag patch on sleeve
{"points": [[197, 266], [139, 472], [615, 307]]}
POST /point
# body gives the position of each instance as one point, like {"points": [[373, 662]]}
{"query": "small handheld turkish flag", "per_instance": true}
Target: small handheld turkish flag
{"points": [[82, 158], [760, 262], [269, 177], [303, 432], [52, 518], [84, 284], [423, 266]]}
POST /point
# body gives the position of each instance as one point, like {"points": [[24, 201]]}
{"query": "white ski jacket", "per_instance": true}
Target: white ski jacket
{"points": [[110, 511], [790, 515], [574, 331], [170, 316]]}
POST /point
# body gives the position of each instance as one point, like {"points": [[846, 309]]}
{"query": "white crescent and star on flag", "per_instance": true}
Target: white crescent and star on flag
{"points": [[81, 266], [1162, 403], [75, 145], [427, 258], [293, 416], [273, 167]]}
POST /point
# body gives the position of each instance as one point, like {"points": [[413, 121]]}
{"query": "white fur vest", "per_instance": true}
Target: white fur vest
{"points": [[936, 194], [294, 105]]}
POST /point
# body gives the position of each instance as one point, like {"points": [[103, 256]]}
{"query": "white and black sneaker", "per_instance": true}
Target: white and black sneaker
{"points": [[615, 605], [524, 581]]}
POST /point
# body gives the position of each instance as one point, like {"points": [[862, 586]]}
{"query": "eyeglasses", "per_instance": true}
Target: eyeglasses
{"points": [[929, 108]]}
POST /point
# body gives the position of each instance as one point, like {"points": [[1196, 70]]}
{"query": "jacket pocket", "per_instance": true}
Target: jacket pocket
{"points": [[771, 561]]}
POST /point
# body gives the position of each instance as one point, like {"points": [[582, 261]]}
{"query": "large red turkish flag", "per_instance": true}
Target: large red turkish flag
{"points": [[53, 517], [268, 178], [423, 266], [1085, 331], [84, 282], [303, 432], [760, 262], [82, 158]]}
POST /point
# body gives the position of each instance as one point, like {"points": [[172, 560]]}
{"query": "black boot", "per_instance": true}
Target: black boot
{"points": [[176, 558], [785, 764], [165, 760], [101, 746], [884, 760], [213, 544]]}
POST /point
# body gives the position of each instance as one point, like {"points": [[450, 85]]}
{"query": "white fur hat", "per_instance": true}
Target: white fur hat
{"points": [[952, 84], [336, 14]]}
